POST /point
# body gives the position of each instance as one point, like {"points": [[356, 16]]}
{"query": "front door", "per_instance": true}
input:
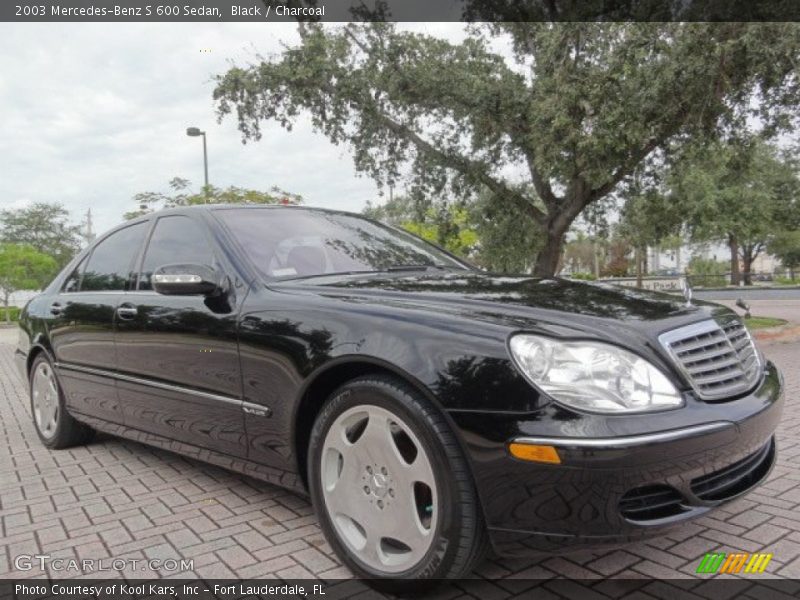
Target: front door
{"points": [[177, 356]]}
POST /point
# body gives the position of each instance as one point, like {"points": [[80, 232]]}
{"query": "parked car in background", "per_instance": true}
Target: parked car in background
{"points": [[428, 408]]}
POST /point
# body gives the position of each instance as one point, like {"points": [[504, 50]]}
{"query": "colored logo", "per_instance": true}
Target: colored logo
{"points": [[720, 562]]}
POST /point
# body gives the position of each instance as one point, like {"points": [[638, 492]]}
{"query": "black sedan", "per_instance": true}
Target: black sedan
{"points": [[427, 407]]}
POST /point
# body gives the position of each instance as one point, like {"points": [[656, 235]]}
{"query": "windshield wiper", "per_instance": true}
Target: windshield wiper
{"points": [[395, 268], [419, 267]]}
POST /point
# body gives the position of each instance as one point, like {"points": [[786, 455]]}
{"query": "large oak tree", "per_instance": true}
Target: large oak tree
{"points": [[740, 193], [548, 117], [182, 195]]}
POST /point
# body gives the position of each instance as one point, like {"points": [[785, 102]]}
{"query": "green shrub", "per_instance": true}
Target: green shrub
{"points": [[584, 276], [705, 272]]}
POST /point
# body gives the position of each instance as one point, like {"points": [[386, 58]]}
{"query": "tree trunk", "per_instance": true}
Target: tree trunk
{"points": [[548, 258], [560, 264], [733, 244], [747, 264], [558, 222], [8, 312], [637, 253]]}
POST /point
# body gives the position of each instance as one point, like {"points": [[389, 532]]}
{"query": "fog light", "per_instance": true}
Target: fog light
{"points": [[534, 453]]}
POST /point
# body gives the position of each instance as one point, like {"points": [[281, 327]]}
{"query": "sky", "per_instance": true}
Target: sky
{"points": [[94, 113]]}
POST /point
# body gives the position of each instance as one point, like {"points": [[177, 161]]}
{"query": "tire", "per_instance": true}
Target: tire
{"points": [[392, 489], [54, 425]]}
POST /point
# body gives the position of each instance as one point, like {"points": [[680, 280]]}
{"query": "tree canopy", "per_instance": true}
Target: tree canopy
{"points": [[786, 246], [740, 192], [549, 118], [450, 227], [44, 226], [181, 194], [23, 267], [495, 237]]}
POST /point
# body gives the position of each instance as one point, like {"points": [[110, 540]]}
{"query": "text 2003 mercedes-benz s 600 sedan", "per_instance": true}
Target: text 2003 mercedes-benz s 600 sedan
{"points": [[428, 407]]}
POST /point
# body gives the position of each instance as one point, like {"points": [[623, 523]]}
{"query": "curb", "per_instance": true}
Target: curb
{"points": [[746, 288]]}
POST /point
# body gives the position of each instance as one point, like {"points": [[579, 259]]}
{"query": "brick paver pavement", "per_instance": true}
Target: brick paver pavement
{"points": [[121, 499]]}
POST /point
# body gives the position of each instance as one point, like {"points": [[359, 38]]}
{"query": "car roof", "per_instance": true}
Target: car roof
{"points": [[214, 207], [208, 208]]}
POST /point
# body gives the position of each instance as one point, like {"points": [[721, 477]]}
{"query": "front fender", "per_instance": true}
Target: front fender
{"points": [[288, 341], [464, 367]]}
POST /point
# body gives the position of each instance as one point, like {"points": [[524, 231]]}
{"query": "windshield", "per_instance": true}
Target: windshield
{"points": [[286, 243]]}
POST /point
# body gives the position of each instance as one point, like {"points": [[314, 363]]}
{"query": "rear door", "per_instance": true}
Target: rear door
{"points": [[82, 326], [177, 356]]}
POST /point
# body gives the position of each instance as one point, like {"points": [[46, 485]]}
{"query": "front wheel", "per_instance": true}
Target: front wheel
{"points": [[391, 487]]}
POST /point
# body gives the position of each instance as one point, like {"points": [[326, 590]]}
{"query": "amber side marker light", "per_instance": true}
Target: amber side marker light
{"points": [[534, 453]]}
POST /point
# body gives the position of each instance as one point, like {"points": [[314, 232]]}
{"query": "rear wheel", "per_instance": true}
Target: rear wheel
{"points": [[391, 487], [55, 426]]}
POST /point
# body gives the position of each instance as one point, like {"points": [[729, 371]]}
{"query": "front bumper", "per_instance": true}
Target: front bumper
{"points": [[21, 360], [657, 472]]}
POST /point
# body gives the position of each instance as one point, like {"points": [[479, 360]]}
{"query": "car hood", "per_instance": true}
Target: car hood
{"points": [[522, 301]]}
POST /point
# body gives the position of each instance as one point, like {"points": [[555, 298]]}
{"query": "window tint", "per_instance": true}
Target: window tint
{"points": [[73, 282], [109, 266], [175, 239], [286, 243]]}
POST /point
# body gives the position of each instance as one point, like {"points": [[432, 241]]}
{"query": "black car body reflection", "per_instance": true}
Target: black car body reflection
{"points": [[238, 378]]}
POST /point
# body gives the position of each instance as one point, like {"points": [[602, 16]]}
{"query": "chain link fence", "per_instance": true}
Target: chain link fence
{"points": [[672, 283]]}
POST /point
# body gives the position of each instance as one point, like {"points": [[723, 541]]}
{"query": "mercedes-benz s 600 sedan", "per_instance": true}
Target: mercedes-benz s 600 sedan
{"points": [[427, 407]]}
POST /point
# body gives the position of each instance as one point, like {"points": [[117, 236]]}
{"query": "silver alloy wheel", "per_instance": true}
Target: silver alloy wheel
{"points": [[379, 488], [44, 392]]}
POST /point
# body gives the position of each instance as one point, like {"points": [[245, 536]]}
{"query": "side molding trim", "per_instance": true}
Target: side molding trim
{"points": [[155, 384]]}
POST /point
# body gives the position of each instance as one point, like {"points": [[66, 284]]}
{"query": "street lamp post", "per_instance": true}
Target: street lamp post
{"points": [[194, 132]]}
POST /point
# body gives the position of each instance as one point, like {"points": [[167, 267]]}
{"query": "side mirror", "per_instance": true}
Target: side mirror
{"points": [[186, 280]]}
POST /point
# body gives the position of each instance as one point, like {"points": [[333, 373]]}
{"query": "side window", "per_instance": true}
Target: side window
{"points": [[109, 266], [176, 239], [73, 282]]}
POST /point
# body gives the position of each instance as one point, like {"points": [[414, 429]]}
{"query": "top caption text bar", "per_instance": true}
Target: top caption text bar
{"points": [[397, 10]]}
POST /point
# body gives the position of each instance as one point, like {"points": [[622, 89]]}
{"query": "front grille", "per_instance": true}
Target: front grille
{"points": [[736, 478], [719, 359], [651, 502]]}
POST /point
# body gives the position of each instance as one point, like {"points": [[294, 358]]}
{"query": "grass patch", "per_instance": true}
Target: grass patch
{"points": [[786, 281], [763, 322]]}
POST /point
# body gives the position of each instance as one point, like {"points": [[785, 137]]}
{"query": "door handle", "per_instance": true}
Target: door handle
{"points": [[56, 308], [127, 311]]}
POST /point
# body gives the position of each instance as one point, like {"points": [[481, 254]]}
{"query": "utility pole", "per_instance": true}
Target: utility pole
{"points": [[195, 132], [89, 234]]}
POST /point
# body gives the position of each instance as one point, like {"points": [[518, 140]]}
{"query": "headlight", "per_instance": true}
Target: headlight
{"points": [[593, 376]]}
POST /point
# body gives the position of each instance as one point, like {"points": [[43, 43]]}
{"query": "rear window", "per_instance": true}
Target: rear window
{"points": [[109, 266]]}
